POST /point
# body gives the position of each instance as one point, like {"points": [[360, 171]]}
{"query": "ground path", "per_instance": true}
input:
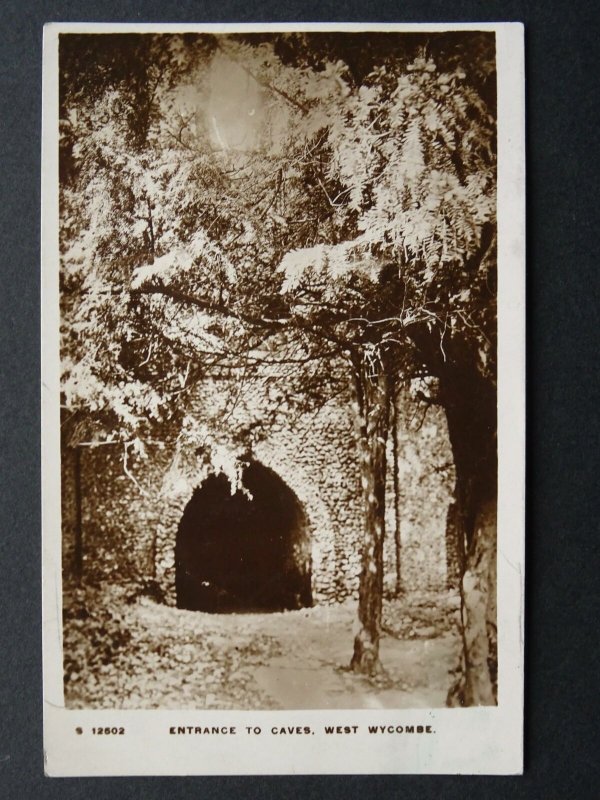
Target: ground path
{"points": [[294, 659]]}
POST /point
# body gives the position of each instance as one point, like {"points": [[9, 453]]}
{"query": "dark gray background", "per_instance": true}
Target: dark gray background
{"points": [[563, 606]]}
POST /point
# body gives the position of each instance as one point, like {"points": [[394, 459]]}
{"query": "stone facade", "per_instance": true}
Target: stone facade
{"points": [[131, 506], [425, 483]]}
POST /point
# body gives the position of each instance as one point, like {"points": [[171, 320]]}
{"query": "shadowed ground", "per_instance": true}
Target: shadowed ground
{"points": [[175, 658]]}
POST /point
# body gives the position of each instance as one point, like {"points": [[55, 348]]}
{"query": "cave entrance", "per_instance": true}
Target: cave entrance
{"points": [[236, 552]]}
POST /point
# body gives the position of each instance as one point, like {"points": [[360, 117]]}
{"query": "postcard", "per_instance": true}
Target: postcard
{"points": [[283, 393]]}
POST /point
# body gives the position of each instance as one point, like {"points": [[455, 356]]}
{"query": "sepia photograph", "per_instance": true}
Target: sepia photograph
{"points": [[273, 477]]}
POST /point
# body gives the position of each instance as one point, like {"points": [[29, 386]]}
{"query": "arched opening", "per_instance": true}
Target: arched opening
{"points": [[241, 553]]}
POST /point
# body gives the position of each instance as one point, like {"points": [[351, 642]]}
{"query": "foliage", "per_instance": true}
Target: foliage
{"points": [[182, 261], [95, 634], [125, 654]]}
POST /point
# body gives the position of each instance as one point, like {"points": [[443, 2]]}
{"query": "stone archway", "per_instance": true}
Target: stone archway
{"points": [[247, 551]]}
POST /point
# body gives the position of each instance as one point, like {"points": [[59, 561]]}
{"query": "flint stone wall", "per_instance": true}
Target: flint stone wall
{"points": [[131, 507]]}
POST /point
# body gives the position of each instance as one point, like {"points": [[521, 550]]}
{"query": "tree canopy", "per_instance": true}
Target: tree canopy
{"points": [[361, 205]]}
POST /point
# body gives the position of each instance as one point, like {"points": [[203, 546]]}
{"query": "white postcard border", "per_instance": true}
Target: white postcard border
{"points": [[467, 741]]}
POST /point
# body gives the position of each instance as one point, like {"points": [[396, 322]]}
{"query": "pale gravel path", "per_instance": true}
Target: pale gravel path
{"points": [[294, 659]]}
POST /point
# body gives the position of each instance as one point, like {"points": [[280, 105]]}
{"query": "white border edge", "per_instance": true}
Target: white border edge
{"points": [[59, 759]]}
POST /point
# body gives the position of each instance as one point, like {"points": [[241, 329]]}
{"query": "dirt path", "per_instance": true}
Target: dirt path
{"points": [[295, 659], [312, 672]]}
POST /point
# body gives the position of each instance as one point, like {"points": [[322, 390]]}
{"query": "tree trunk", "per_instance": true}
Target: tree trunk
{"points": [[396, 480], [477, 676], [373, 399], [469, 398], [470, 403]]}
